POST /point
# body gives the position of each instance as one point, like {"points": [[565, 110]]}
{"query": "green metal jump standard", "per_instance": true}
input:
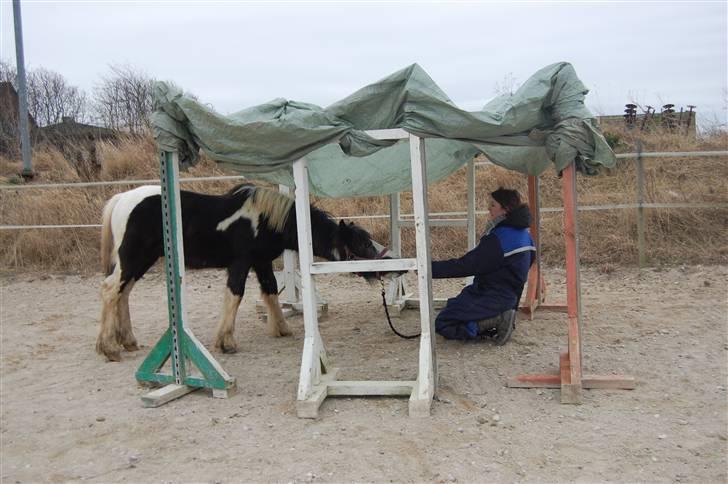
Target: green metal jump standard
{"points": [[178, 343]]}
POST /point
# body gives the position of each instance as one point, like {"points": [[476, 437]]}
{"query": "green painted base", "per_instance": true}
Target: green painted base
{"points": [[212, 374]]}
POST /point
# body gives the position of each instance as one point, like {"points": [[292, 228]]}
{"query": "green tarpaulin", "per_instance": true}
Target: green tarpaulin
{"points": [[544, 122]]}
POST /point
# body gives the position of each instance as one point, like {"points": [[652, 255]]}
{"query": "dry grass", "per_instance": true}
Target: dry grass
{"points": [[607, 237]]}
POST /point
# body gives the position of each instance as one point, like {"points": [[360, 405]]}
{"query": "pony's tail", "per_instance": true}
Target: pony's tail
{"points": [[107, 236]]}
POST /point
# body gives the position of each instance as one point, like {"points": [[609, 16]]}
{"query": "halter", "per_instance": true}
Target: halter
{"points": [[351, 256], [382, 254]]}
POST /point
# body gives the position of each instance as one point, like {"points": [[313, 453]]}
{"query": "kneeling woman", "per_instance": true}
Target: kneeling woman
{"points": [[500, 264]]}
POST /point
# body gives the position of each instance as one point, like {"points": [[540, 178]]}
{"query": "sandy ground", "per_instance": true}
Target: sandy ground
{"points": [[67, 415]]}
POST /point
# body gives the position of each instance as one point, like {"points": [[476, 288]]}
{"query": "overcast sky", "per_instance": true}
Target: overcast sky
{"points": [[236, 54]]}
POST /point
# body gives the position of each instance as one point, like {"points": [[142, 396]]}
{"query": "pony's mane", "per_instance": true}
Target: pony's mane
{"points": [[274, 205]]}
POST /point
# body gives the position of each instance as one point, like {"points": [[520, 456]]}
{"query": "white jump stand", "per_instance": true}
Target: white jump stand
{"points": [[318, 378], [397, 296], [289, 286]]}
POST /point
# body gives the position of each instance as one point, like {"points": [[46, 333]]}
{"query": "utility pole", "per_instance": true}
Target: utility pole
{"points": [[27, 172]]}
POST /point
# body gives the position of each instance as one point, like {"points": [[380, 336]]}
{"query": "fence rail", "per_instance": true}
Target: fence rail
{"points": [[155, 181], [640, 205]]}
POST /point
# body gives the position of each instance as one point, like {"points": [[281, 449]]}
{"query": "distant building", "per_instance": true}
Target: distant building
{"points": [[70, 130], [77, 141]]}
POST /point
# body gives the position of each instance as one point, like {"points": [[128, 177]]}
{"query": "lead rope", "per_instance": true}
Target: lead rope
{"points": [[389, 320]]}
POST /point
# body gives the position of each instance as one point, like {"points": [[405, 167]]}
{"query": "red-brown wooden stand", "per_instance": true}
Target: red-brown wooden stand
{"points": [[536, 287], [570, 378]]}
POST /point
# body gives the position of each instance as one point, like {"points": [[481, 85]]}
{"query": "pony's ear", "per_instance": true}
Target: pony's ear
{"points": [[342, 224]]}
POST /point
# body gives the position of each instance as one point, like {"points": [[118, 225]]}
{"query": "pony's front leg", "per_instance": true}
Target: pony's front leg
{"points": [[277, 325], [225, 338]]}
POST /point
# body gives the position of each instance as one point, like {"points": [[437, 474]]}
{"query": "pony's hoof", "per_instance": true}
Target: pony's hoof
{"points": [[226, 345], [131, 346], [111, 353], [113, 356], [280, 329]]}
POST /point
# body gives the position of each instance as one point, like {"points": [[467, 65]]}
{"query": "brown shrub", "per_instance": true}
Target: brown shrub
{"points": [[607, 237]]}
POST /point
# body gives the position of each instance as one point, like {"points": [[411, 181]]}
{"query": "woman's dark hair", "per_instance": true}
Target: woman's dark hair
{"points": [[508, 199]]}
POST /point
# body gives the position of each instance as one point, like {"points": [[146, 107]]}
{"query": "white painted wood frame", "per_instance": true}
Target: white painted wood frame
{"points": [[317, 379], [290, 293], [314, 362], [397, 295], [290, 280]]}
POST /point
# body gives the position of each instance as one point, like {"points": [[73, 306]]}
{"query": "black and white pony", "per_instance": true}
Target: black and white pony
{"points": [[245, 228]]}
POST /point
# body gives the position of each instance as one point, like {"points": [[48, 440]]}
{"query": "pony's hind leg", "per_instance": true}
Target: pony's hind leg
{"points": [[124, 334], [106, 343], [225, 338], [277, 325]]}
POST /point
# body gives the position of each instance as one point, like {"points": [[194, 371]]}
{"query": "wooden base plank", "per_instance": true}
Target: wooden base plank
{"points": [[571, 394], [162, 395], [370, 388], [309, 408], [323, 308], [608, 382], [290, 310], [413, 303], [560, 308], [419, 407], [207, 372], [535, 381], [590, 382], [330, 387], [395, 309], [260, 307], [224, 393]]}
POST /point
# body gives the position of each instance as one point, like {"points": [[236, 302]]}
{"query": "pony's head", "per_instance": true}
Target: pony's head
{"points": [[341, 242], [356, 243]]}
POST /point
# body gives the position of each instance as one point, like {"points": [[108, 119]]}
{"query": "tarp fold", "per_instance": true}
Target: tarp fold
{"points": [[544, 122]]}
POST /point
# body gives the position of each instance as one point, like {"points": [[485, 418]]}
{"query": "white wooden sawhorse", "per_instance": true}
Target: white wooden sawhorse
{"points": [[318, 378], [397, 296]]}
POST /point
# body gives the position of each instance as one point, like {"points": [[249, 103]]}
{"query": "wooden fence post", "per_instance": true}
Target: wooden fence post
{"points": [[640, 207]]}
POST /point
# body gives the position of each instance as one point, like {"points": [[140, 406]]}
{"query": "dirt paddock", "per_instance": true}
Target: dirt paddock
{"points": [[67, 415]]}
